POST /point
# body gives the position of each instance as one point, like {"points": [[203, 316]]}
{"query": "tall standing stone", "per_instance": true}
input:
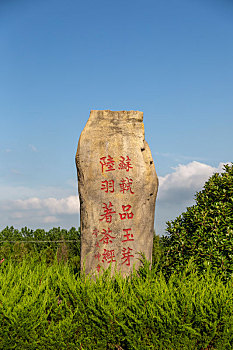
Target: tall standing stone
{"points": [[117, 185]]}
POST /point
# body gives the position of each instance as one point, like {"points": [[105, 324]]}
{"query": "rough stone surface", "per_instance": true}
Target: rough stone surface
{"points": [[117, 185]]}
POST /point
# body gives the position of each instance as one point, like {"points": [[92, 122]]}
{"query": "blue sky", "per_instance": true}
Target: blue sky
{"points": [[59, 59]]}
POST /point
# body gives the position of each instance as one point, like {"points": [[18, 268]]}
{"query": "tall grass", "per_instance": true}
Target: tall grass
{"points": [[49, 307]]}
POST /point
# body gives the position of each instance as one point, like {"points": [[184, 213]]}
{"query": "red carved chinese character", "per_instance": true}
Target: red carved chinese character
{"points": [[126, 214], [97, 244], [97, 256], [125, 185], [107, 237], [127, 235], [98, 267], [125, 164], [95, 232], [108, 255], [107, 212], [108, 186], [108, 163], [126, 255]]}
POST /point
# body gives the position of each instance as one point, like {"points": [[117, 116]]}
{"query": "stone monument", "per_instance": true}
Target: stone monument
{"points": [[117, 185]]}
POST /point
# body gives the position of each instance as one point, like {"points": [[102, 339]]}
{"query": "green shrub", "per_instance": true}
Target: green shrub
{"points": [[157, 251], [205, 231], [50, 307]]}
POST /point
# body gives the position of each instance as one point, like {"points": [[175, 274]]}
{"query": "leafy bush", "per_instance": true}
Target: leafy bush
{"points": [[205, 230]]}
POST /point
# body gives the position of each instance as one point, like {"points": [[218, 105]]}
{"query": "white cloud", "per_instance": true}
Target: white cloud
{"points": [[185, 180], [37, 212], [177, 190], [68, 205], [50, 219], [33, 148]]}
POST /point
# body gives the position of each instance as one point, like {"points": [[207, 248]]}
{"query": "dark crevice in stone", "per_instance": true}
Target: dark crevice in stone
{"points": [[142, 149]]}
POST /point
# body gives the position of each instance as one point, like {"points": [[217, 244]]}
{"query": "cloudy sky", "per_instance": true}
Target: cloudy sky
{"points": [[171, 59]]}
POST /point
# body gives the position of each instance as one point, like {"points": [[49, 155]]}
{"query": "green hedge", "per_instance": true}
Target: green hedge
{"points": [[49, 307]]}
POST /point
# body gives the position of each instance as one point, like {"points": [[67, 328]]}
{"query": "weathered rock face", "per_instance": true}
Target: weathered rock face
{"points": [[117, 186]]}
